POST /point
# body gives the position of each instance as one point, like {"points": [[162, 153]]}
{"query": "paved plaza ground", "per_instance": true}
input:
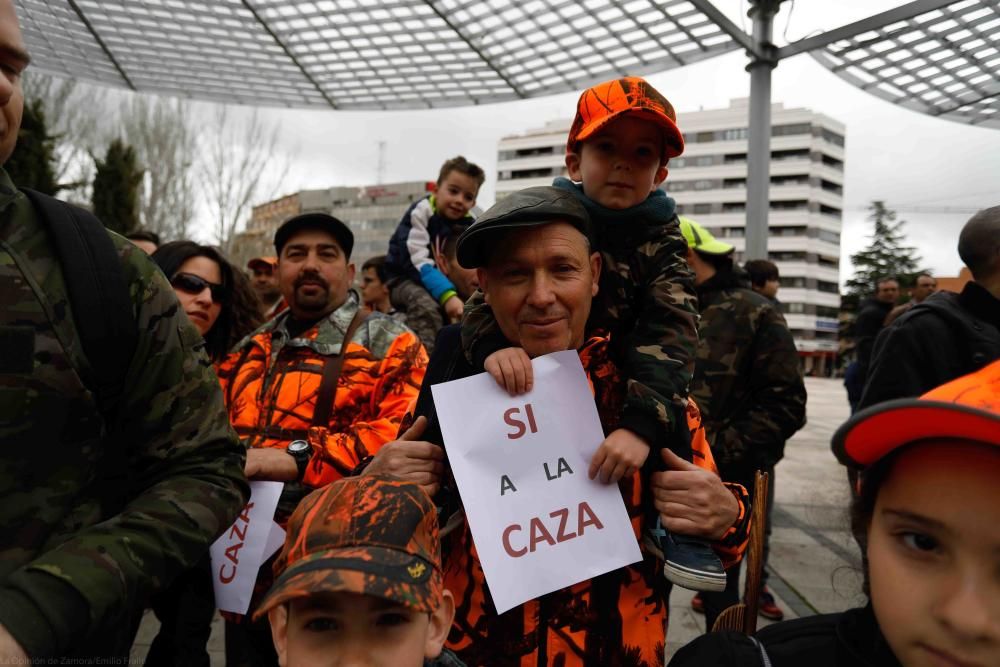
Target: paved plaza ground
{"points": [[814, 562]]}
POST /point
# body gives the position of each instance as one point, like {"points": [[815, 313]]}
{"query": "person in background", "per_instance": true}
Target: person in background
{"points": [[146, 241], [926, 513], [923, 287], [764, 278], [220, 303], [446, 256], [947, 335], [264, 280], [375, 288]]}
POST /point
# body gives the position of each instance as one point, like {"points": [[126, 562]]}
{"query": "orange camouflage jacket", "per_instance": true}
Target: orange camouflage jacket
{"points": [[618, 618], [271, 380]]}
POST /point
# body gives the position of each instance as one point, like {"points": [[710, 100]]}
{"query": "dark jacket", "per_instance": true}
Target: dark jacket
{"points": [[943, 338], [850, 639], [75, 571], [747, 378], [868, 324]]}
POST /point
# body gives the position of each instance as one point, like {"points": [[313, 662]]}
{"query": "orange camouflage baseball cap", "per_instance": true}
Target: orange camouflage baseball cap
{"points": [[601, 104], [263, 264], [965, 409], [372, 535]]}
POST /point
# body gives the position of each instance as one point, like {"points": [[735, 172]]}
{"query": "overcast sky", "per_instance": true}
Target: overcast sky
{"points": [[903, 157]]}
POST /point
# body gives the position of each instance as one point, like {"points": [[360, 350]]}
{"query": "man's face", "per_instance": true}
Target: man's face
{"points": [[620, 165], [924, 288], [887, 292], [352, 630], [540, 283], [466, 281], [265, 283], [456, 195], [13, 60], [314, 274], [373, 290], [769, 288]]}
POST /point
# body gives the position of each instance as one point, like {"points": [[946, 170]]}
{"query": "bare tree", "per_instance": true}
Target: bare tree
{"points": [[165, 138], [241, 165]]}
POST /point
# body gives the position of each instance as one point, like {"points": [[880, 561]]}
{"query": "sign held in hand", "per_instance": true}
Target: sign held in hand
{"points": [[538, 522]]}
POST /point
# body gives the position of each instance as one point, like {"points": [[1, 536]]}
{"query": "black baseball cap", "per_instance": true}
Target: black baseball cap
{"points": [[324, 221], [530, 207]]}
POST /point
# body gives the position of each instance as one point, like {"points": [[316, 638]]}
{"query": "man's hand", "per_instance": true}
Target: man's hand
{"points": [[271, 464], [411, 459], [511, 368], [453, 308], [11, 652], [621, 454], [692, 500]]}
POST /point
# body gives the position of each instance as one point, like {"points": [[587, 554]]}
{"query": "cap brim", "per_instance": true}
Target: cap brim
{"points": [[715, 247], [382, 572], [877, 431], [470, 251], [261, 263], [674, 140]]}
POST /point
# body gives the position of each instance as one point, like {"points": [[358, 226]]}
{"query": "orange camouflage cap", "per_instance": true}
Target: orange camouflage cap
{"points": [[965, 409], [372, 535], [263, 264], [600, 104]]}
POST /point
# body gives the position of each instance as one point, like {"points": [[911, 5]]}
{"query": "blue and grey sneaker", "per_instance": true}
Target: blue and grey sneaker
{"points": [[688, 562]]}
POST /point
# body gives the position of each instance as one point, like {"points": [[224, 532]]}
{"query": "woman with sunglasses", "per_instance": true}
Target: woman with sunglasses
{"points": [[221, 304], [927, 516], [217, 298]]}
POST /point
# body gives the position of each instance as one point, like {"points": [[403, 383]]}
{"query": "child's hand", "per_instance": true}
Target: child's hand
{"points": [[620, 455], [511, 368], [453, 309]]}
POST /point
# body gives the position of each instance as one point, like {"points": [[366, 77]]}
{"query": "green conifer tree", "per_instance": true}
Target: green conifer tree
{"points": [[32, 164], [116, 188], [885, 256]]}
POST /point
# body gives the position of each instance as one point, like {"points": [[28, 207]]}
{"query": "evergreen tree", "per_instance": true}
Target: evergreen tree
{"points": [[885, 256], [116, 188], [32, 164]]}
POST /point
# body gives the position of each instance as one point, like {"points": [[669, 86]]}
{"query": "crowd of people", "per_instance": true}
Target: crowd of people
{"points": [[145, 384]]}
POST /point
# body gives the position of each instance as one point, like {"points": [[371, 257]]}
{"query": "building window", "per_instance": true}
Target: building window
{"points": [[786, 256], [827, 311], [794, 308], [833, 163], [735, 134], [828, 262], [833, 137], [792, 281], [790, 205], [795, 154], [830, 210], [788, 130], [787, 231], [829, 237], [734, 207], [702, 209], [831, 187], [830, 288]]}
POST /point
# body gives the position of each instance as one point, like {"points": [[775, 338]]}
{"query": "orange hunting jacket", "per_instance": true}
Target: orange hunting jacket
{"points": [[618, 618], [271, 380]]}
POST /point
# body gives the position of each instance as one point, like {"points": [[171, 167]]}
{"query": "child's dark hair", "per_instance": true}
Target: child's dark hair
{"points": [[761, 271], [240, 315], [377, 263], [863, 507], [144, 235], [462, 166]]}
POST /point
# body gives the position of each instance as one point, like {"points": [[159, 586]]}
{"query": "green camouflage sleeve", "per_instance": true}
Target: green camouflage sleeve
{"points": [[660, 350], [481, 335], [776, 405], [186, 481]]}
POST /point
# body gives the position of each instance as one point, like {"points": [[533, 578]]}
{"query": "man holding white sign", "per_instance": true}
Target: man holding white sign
{"points": [[536, 268]]}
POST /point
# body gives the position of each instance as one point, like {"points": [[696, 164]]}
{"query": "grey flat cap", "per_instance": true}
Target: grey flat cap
{"points": [[525, 208]]}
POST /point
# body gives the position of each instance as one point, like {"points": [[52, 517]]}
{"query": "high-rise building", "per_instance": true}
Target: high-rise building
{"points": [[709, 184], [371, 211]]}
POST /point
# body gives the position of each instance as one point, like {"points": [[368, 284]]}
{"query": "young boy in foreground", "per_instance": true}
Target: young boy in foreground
{"points": [[617, 151], [359, 579]]}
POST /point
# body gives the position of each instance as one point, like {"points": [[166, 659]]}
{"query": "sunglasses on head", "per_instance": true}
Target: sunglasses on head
{"points": [[192, 284]]}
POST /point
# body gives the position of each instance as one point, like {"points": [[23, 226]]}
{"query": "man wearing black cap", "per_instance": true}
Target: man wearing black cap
{"points": [[309, 409]]}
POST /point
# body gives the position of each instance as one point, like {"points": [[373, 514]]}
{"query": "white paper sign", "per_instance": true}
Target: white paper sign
{"points": [[539, 524], [239, 553]]}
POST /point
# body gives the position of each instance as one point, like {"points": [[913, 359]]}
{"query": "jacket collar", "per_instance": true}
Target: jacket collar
{"points": [[976, 299], [326, 337]]}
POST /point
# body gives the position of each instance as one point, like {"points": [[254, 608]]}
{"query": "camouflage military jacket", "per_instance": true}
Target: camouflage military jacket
{"points": [[73, 580], [646, 303], [747, 378]]}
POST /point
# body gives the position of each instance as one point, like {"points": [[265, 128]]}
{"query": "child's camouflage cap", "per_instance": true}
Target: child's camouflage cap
{"points": [[370, 535], [601, 104]]}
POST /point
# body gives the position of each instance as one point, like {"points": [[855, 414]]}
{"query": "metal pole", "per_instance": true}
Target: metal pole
{"points": [[759, 131]]}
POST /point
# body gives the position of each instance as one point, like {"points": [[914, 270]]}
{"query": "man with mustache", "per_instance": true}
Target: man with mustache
{"points": [[319, 388]]}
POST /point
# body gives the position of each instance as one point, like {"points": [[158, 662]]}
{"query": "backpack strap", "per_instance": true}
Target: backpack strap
{"points": [[331, 373], [102, 312], [98, 294]]}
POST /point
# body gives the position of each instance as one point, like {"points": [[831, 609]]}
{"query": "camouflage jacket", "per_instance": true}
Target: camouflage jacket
{"points": [[74, 577], [417, 309], [747, 379], [646, 303]]}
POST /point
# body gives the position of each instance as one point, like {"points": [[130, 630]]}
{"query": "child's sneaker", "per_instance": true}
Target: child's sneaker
{"points": [[688, 561], [767, 607]]}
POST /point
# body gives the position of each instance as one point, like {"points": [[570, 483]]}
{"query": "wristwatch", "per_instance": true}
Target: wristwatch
{"points": [[301, 451]]}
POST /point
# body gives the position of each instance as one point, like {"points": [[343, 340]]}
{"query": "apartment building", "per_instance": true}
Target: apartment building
{"points": [[709, 184]]}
